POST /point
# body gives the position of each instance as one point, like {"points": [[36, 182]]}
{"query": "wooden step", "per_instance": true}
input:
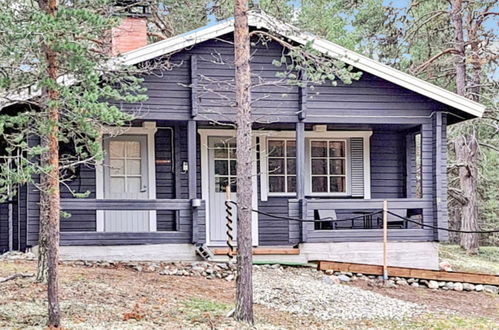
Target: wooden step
{"points": [[437, 275], [261, 251]]}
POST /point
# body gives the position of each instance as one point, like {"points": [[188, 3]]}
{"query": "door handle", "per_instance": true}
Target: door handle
{"points": [[144, 189]]}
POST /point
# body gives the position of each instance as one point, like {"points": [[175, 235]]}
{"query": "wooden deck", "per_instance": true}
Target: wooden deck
{"points": [[409, 272], [262, 251]]}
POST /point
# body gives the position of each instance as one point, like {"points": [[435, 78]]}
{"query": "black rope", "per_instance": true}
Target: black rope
{"points": [[446, 229], [328, 219]]}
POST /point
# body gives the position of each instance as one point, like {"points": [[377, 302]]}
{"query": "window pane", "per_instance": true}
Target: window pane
{"points": [[337, 149], [291, 166], [319, 166], [232, 151], [319, 184], [133, 149], [337, 184], [116, 149], [336, 166], [117, 185], [276, 165], [276, 148], [133, 185], [220, 150], [233, 185], [133, 166], [319, 149], [221, 183], [233, 167], [291, 183], [221, 167], [291, 148], [117, 166], [276, 183]]}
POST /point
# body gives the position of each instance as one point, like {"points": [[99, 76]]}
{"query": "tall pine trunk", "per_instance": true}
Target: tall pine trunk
{"points": [[466, 146], [244, 282], [51, 188]]}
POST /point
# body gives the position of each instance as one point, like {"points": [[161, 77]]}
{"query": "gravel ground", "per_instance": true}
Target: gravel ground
{"points": [[302, 291]]}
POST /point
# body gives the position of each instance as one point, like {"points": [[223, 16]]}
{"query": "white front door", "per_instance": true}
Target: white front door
{"points": [[126, 177], [222, 172]]}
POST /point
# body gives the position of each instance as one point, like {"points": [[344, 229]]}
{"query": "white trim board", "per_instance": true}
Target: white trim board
{"points": [[149, 129], [264, 21]]}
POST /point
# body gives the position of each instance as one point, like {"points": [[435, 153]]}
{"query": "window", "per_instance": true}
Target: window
{"points": [[328, 166], [225, 166], [282, 166]]}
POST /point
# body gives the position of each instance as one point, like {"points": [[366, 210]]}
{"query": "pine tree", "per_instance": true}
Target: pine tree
{"points": [[57, 52]]}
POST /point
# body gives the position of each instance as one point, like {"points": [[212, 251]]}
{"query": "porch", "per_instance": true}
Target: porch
{"points": [[381, 163]]}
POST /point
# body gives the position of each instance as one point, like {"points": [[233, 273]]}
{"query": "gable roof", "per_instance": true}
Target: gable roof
{"points": [[264, 21], [363, 63]]}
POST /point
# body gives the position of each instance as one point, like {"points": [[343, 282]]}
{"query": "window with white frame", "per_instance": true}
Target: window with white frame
{"points": [[281, 166], [328, 166]]}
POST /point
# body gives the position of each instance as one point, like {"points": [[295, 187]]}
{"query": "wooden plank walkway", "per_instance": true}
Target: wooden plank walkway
{"points": [[427, 274], [261, 251]]}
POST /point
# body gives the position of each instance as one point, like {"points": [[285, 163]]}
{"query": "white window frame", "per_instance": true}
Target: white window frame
{"points": [[327, 135], [328, 175], [285, 169], [148, 129]]}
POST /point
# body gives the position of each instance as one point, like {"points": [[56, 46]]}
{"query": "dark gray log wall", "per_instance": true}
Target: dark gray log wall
{"points": [[4, 227], [368, 101]]}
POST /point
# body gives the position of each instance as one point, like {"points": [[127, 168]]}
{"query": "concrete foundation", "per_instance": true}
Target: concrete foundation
{"points": [[403, 254]]}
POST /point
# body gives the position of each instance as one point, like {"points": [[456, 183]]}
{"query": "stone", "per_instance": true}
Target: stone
{"points": [[390, 284], [441, 284], [346, 273], [415, 284], [458, 286], [332, 279], [275, 266], [344, 278], [359, 275], [329, 272], [432, 284], [402, 282], [478, 287], [449, 286], [490, 289], [229, 278], [468, 287], [445, 265]]}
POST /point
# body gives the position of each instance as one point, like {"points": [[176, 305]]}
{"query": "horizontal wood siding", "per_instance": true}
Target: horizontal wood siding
{"points": [[387, 164], [273, 231], [4, 227]]}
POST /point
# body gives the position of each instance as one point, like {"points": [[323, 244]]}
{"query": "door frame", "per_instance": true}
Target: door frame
{"points": [[204, 134], [148, 129]]}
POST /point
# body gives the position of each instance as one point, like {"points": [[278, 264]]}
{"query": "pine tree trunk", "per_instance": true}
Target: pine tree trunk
{"points": [[51, 189], [244, 282], [466, 146], [42, 267]]}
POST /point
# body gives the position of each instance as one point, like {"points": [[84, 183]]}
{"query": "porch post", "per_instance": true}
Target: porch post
{"points": [[191, 160], [300, 180], [440, 174], [300, 160]]}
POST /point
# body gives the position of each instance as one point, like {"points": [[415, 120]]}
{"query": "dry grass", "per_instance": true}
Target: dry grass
{"points": [[99, 298], [487, 261]]}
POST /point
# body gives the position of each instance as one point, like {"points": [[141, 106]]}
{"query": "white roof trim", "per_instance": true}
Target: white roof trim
{"points": [[363, 63], [260, 20]]}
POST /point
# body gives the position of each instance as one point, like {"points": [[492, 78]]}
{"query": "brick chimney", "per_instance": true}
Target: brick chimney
{"points": [[132, 31]]}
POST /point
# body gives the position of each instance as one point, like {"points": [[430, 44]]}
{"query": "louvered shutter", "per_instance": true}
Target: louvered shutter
{"points": [[357, 166]]}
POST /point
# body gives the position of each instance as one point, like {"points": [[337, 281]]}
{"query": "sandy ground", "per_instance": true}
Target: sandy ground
{"points": [[101, 298]]}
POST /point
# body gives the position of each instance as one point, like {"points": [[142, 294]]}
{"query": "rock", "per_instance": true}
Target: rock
{"points": [[359, 275], [432, 284], [346, 273], [445, 265], [329, 272], [478, 287], [402, 282], [390, 284], [490, 289], [229, 278], [275, 266], [344, 278], [441, 284], [449, 286], [468, 287], [415, 284], [458, 286], [332, 279], [411, 280]]}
